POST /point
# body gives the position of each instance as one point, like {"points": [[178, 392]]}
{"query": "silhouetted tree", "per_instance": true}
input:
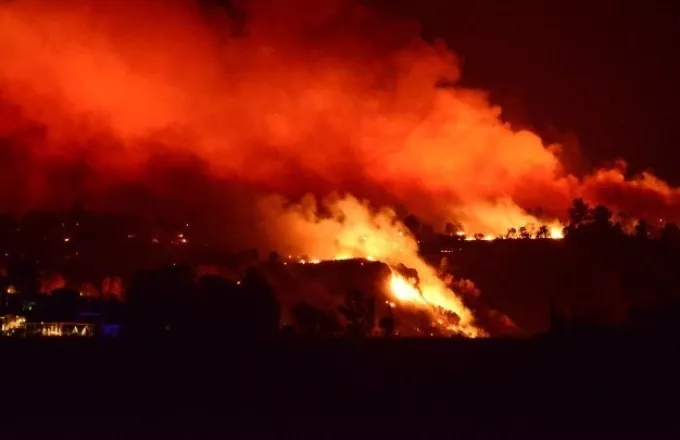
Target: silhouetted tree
{"points": [[23, 274], [274, 258], [579, 213], [543, 232], [149, 311], [359, 311], [312, 321], [158, 300], [601, 217], [262, 307], [63, 305], [670, 233], [642, 229], [413, 224], [387, 324], [113, 311], [524, 232], [426, 232], [215, 310], [407, 272], [452, 229], [512, 233]]}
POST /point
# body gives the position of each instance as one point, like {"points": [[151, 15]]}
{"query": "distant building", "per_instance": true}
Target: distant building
{"points": [[75, 329], [12, 325], [15, 325]]}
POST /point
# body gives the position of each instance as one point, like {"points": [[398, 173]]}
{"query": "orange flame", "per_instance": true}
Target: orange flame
{"points": [[314, 96], [351, 229]]}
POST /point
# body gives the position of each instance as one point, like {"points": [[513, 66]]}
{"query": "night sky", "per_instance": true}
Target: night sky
{"points": [[595, 78], [601, 73]]}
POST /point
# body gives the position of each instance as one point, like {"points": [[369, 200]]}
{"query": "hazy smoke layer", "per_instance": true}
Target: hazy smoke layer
{"points": [[124, 103]]}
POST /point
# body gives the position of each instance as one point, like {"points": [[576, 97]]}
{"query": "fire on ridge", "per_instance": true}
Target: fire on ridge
{"points": [[405, 290], [106, 103]]}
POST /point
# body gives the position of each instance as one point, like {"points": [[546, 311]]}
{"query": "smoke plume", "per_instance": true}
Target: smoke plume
{"points": [[189, 109]]}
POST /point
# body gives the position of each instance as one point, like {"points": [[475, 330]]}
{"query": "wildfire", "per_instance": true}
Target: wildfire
{"points": [[355, 231], [407, 293], [358, 110], [403, 289], [556, 233], [553, 232]]}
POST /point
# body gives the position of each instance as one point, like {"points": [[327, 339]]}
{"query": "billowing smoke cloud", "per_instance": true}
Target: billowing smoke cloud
{"points": [[168, 105]]}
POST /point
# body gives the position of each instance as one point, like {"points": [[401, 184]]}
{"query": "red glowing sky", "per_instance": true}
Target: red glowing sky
{"points": [[111, 103]]}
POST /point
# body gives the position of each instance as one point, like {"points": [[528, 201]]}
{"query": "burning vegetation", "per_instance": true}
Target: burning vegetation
{"points": [[222, 120], [375, 277]]}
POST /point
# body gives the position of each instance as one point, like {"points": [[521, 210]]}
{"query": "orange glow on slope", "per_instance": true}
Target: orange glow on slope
{"points": [[344, 228], [304, 97], [403, 290], [407, 294]]}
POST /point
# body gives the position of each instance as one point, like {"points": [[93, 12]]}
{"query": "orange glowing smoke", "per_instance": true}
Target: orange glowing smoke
{"points": [[300, 97]]}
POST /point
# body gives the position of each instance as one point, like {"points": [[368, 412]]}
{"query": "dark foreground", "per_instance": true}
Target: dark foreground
{"points": [[361, 389]]}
